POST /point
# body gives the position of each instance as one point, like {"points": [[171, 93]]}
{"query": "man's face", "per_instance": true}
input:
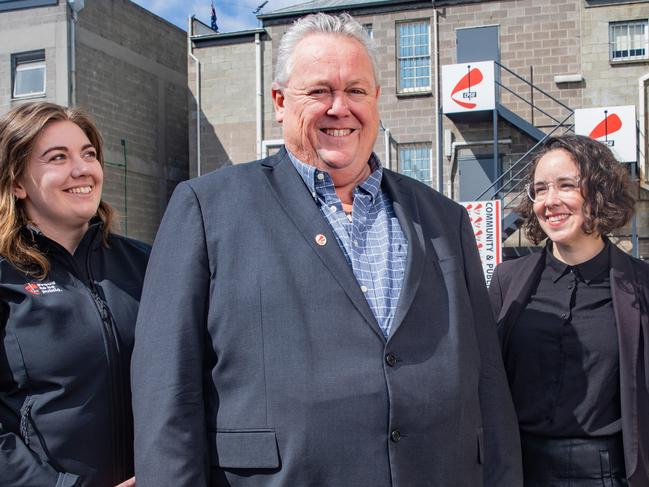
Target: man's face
{"points": [[329, 107]]}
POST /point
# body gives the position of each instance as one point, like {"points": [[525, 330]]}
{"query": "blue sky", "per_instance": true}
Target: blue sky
{"points": [[232, 15]]}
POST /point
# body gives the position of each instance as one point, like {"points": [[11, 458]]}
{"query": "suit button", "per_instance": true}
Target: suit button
{"points": [[391, 359], [395, 436]]}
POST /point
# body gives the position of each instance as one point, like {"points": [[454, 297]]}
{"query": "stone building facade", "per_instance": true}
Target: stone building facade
{"points": [[556, 56]]}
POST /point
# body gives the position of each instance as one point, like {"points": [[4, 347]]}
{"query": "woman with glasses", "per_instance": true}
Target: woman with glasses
{"points": [[574, 325]]}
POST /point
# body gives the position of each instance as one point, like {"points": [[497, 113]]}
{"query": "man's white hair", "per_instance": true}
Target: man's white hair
{"points": [[320, 23]]}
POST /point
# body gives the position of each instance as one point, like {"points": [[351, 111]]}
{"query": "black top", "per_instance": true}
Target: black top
{"points": [[563, 354]]}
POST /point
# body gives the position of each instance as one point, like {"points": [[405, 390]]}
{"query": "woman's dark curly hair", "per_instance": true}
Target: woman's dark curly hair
{"points": [[604, 183]]}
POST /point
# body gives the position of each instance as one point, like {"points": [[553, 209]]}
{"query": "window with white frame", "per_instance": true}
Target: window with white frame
{"points": [[28, 74], [415, 160], [413, 56], [629, 40]]}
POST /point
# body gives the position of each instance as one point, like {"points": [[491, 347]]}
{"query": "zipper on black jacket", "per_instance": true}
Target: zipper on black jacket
{"points": [[25, 420], [116, 379], [118, 422], [115, 369], [28, 426]]}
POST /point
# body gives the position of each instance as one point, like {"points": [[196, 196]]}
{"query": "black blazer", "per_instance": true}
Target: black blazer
{"points": [[510, 290]]}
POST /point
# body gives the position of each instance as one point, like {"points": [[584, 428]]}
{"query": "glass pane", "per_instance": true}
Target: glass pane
{"points": [[414, 56], [29, 79], [414, 161], [628, 40]]}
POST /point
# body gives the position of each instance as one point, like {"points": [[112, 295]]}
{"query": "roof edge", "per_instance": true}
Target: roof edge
{"points": [[355, 6]]}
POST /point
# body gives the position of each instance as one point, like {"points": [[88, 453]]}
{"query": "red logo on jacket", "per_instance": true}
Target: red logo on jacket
{"points": [[38, 288], [32, 288]]}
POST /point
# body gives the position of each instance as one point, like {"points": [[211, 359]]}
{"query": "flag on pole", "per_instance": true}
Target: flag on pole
{"points": [[213, 26]]}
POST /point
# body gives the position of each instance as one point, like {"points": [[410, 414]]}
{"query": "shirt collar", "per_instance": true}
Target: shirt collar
{"points": [[310, 176], [588, 271]]}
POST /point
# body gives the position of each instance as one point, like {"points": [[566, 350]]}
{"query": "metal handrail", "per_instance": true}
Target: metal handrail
{"points": [[499, 180], [533, 86], [528, 102]]}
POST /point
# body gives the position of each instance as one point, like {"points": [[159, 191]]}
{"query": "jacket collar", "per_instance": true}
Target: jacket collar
{"points": [[92, 237]]}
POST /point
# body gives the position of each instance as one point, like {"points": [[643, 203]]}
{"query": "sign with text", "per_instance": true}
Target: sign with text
{"points": [[468, 87], [613, 126], [485, 218]]}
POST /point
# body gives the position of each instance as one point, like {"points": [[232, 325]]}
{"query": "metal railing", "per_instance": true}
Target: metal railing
{"points": [[534, 106], [510, 186]]}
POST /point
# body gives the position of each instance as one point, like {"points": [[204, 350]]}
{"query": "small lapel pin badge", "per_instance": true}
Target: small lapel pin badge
{"points": [[320, 239]]}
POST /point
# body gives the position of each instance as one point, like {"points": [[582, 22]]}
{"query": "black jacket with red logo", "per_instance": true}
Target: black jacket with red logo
{"points": [[65, 348]]}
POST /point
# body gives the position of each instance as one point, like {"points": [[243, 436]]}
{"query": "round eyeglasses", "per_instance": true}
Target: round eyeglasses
{"points": [[566, 188]]}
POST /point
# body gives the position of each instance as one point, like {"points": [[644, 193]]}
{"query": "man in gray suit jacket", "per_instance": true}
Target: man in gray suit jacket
{"points": [[313, 319]]}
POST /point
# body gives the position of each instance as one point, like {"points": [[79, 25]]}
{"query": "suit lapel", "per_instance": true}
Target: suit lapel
{"points": [[293, 195], [626, 306], [518, 293], [407, 211]]}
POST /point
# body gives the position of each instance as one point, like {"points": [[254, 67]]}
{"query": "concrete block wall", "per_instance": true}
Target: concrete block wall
{"points": [[272, 129], [556, 37], [409, 117], [615, 83], [609, 83], [228, 95], [132, 77], [542, 35], [530, 35], [33, 29], [228, 104]]}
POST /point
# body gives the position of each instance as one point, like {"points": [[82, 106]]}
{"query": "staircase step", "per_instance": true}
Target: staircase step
{"points": [[511, 223], [519, 122]]}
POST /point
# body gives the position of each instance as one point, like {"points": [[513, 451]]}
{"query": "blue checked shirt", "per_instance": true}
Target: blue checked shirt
{"points": [[371, 237]]}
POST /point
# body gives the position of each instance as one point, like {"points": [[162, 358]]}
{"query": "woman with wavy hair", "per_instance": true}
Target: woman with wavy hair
{"points": [[69, 294], [573, 322]]}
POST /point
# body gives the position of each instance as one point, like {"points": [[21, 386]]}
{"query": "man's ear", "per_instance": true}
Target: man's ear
{"points": [[19, 190], [278, 102]]}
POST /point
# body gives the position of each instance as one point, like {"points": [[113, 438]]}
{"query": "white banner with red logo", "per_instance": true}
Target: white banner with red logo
{"points": [[613, 126], [486, 220], [468, 87]]}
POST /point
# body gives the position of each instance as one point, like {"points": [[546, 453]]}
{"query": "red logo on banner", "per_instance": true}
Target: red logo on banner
{"points": [[611, 123], [472, 78]]}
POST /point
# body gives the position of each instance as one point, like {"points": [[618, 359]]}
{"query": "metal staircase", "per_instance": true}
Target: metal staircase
{"points": [[552, 118]]}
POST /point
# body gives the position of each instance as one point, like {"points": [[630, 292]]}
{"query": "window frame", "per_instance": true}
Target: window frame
{"points": [[27, 61], [369, 28], [414, 146], [399, 59], [628, 24]]}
